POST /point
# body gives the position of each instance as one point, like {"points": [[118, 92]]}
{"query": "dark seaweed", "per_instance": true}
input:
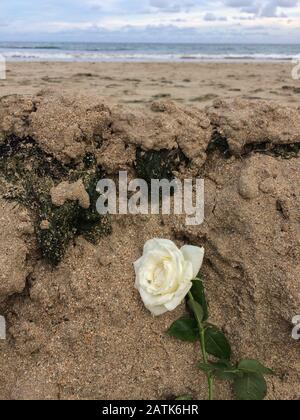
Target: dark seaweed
{"points": [[33, 173], [158, 164]]}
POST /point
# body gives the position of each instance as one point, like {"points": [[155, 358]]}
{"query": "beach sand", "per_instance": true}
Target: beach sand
{"points": [[76, 326], [140, 83]]}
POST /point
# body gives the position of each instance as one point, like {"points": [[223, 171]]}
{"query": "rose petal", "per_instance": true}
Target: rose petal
{"points": [[158, 310], [164, 274], [159, 244], [137, 265], [195, 255], [177, 300]]}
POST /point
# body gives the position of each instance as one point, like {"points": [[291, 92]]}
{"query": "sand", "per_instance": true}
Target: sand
{"points": [[139, 83], [78, 330]]}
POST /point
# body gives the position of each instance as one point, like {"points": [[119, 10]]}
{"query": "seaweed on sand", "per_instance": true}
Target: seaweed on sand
{"points": [[285, 151], [219, 143], [160, 164], [33, 173]]}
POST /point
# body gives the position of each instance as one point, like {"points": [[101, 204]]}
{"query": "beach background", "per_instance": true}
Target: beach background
{"points": [[138, 73]]}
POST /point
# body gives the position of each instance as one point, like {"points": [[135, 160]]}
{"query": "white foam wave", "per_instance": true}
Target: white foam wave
{"points": [[54, 55]]}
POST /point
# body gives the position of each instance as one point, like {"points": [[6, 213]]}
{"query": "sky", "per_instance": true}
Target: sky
{"points": [[213, 21]]}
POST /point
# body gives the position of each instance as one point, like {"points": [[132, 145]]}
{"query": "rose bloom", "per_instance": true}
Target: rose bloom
{"points": [[164, 274]]}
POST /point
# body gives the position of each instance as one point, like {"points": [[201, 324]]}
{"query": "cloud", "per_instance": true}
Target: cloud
{"points": [[211, 17], [172, 6], [264, 8], [270, 8], [161, 20]]}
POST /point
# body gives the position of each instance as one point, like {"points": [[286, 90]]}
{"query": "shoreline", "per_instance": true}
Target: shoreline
{"points": [[167, 61]]}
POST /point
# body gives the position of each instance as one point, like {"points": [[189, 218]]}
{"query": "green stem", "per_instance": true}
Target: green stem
{"points": [[204, 354], [205, 359]]}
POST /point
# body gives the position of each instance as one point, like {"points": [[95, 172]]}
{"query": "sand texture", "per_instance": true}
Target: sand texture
{"points": [[77, 328], [139, 84]]}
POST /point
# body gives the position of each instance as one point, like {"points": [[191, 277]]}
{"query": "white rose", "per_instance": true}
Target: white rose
{"points": [[164, 274]]}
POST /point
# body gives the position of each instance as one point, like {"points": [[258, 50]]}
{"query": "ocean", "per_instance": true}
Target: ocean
{"points": [[145, 52]]}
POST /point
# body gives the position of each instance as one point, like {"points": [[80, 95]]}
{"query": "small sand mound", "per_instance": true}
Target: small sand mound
{"points": [[72, 192]]}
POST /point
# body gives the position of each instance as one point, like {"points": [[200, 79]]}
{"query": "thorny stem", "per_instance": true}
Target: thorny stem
{"points": [[204, 354]]}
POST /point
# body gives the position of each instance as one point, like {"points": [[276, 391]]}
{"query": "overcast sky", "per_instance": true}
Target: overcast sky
{"points": [[274, 21]]}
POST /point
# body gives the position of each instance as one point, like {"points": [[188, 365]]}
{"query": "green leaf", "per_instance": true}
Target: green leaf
{"points": [[250, 387], [227, 375], [216, 343], [221, 370], [205, 367], [184, 398], [197, 310], [185, 329], [198, 293], [221, 364], [253, 366], [225, 371]]}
